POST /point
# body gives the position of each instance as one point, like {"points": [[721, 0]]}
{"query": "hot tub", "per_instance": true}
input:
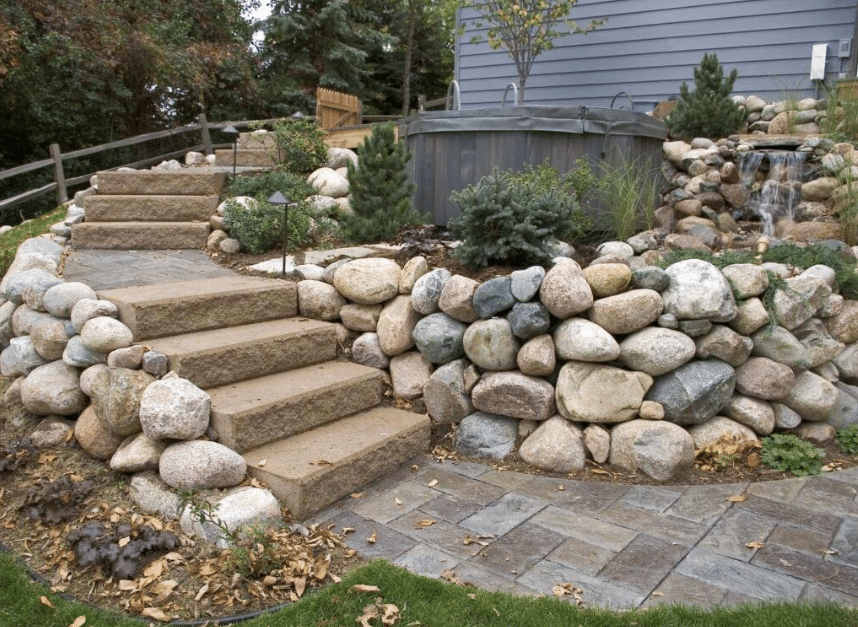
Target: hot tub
{"points": [[454, 149]]}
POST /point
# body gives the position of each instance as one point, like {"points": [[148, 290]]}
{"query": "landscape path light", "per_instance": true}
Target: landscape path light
{"points": [[231, 130], [277, 198]]}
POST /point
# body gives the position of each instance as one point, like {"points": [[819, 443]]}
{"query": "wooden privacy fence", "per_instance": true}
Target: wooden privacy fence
{"points": [[335, 109], [60, 184]]}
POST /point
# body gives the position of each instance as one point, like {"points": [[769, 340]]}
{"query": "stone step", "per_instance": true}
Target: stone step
{"points": [[186, 182], [249, 140], [314, 469], [252, 413], [140, 235], [246, 157], [222, 356], [152, 311], [154, 208]]}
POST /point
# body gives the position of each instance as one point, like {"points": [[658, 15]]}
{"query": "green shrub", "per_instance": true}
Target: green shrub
{"points": [[300, 145], [260, 227], [848, 439], [510, 216], [789, 453], [708, 111], [380, 190], [262, 186]]}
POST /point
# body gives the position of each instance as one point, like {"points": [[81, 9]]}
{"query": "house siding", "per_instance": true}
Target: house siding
{"points": [[648, 48]]}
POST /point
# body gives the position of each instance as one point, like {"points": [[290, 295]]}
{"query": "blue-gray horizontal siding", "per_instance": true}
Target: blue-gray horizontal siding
{"points": [[649, 47]]}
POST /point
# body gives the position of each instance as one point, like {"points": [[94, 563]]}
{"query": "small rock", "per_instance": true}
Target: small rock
{"points": [[581, 340], [130, 357], [368, 281], [116, 394], [174, 408], [87, 308], [493, 297], [627, 312], [246, 507], [764, 378], [153, 496], [60, 299], [748, 280], [694, 392], [598, 393], [607, 279], [137, 453], [52, 431], [725, 344], [103, 334], [812, 397], [564, 290], [537, 357], [440, 337], [155, 363], [751, 412], [650, 410], [597, 439], [94, 438], [456, 298], [525, 284], [319, 300], [396, 325], [360, 317], [713, 431], [656, 351], [53, 389], [367, 351], [528, 320], [817, 432]]}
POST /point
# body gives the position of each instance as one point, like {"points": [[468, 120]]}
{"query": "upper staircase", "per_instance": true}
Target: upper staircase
{"points": [[150, 209], [308, 425]]}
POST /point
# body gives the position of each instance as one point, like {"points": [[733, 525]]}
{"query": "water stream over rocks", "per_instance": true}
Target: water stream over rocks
{"points": [[774, 178]]}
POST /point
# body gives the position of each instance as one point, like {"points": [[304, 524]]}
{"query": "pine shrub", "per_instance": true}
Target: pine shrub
{"points": [[512, 216], [708, 111], [380, 190]]}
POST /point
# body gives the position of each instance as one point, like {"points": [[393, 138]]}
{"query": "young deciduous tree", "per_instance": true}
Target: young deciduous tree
{"points": [[527, 28]]}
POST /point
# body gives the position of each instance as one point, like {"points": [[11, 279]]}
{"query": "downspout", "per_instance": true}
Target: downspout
{"points": [[853, 59]]}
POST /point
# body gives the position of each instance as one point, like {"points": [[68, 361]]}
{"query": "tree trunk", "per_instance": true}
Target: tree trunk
{"points": [[409, 45]]}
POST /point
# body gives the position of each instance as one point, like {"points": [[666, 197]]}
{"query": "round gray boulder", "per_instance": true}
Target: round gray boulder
{"points": [[60, 299], [53, 389], [694, 392], [486, 435], [439, 337]]}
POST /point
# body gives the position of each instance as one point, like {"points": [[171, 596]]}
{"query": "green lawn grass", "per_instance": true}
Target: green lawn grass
{"points": [[10, 240], [424, 603]]}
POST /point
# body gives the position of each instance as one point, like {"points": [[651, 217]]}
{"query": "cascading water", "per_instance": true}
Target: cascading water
{"points": [[775, 197]]}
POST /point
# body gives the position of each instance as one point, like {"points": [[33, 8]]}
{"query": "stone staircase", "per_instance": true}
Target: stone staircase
{"points": [[150, 209], [308, 425]]}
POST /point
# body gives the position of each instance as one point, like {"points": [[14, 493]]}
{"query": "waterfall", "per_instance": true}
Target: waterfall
{"points": [[776, 198]]}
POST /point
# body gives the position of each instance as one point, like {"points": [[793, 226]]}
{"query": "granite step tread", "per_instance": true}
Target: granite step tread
{"points": [[151, 208], [221, 356], [140, 235], [185, 182], [251, 413], [165, 309], [311, 470]]}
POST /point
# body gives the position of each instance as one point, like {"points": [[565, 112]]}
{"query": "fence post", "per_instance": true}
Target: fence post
{"points": [[59, 175], [204, 129]]}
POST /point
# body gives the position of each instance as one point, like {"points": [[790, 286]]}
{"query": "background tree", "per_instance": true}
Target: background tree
{"points": [[527, 28]]}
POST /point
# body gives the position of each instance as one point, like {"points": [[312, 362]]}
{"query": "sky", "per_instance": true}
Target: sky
{"points": [[261, 13]]}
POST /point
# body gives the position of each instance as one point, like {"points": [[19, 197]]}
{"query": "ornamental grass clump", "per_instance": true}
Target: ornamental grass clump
{"points": [[513, 217]]}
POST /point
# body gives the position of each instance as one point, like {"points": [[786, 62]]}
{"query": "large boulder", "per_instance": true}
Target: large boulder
{"points": [[491, 345], [242, 509], [719, 429], [396, 325], [104, 334], [748, 279], [694, 392], [174, 408], [61, 299], [486, 435], [447, 400], [116, 394], [201, 464], [319, 300], [764, 378], [94, 438], [751, 412], [439, 337], [811, 396], [658, 449], [577, 339], [597, 393], [514, 394], [427, 290], [627, 312], [53, 389], [368, 281], [564, 290], [329, 182], [556, 445], [778, 344], [656, 351], [697, 291]]}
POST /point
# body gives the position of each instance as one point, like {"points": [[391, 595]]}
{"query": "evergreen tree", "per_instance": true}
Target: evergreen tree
{"points": [[708, 111], [380, 189]]}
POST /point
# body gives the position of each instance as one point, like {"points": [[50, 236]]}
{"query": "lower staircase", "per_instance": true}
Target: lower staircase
{"points": [[309, 426], [150, 209]]}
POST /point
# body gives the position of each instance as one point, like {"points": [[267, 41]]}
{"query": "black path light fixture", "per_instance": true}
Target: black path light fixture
{"points": [[231, 130], [278, 199]]}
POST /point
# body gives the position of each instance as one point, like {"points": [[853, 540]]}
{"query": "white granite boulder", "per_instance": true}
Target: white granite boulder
{"points": [[61, 299], [427, 290], [658, 449], [104, 334], [319, 300], [751, 412], [368, 281], [564, 290], [53, 389], [328, 182], [577, 339], [698, 291], [242, 509], [20, 357], [153, 496], [656, 351], [200, 464], [174, 408], [556, 445], [137, 453], [597, 393]]}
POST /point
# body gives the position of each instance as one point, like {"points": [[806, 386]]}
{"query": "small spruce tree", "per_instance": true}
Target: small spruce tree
{"points": [[708, 111], [380, 189]]}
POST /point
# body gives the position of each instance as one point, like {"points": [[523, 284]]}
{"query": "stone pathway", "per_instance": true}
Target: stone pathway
{"points": [[624, 546]]}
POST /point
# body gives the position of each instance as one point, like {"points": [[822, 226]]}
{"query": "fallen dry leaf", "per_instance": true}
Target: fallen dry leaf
{"points": [[784, 562], [321, 462], [201, 592], [397, 500], [372, 539], [78, 622], [567, 589], [387, 613], [127, 585], [449, 575], [425, 523], [46, 602], [738, 498], [356, 495], [154, 612], [362, 587], [431, 484], [754, 545], [658, 594], [262, 462]]}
